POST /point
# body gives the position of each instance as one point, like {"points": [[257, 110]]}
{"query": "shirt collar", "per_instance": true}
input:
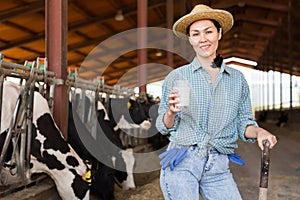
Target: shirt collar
{"points": [[196, 66]]}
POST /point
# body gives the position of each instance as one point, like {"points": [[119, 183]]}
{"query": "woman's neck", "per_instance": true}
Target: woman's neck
{"points": [[206, 63]]}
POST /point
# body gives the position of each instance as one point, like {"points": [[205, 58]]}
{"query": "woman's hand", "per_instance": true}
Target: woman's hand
{"points": [[262, 135], [171, 112], [172, 101]]}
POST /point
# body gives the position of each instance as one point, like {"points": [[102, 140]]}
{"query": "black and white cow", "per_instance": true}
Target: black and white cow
{"points": [[104, 175], [141, 112], [50, 153]]}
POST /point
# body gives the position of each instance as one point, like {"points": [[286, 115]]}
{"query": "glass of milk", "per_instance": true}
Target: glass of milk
{"points": [[183, 89]]}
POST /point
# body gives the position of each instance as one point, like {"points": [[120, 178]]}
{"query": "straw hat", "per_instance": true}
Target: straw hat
{"points": [[200, 12]]}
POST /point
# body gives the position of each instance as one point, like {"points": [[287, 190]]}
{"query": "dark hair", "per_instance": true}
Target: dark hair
{"points": [[217, 25], [217, 61]]}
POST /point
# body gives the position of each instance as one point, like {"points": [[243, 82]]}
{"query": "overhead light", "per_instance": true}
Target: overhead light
{"points": [[158, 53], [241, 4], [119, 16]]}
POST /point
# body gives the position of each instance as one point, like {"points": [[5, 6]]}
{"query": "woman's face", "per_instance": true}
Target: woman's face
{"points": [[204, 37]]}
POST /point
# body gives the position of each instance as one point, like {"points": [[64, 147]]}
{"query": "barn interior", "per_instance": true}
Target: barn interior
{"points": [[129, 44]]}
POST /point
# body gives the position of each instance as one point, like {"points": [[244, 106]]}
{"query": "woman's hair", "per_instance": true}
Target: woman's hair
{"points": [[217, 25]]}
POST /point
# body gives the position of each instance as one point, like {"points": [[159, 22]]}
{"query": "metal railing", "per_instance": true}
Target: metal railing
{"points": [[19, 132]]}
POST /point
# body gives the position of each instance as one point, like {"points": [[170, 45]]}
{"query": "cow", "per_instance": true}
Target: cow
{"points": [[117, 163], [136, 113], [50, 152]]}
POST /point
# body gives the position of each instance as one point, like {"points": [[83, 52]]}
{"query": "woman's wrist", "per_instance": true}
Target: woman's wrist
{"points": [[251, 132], [169, 118]]}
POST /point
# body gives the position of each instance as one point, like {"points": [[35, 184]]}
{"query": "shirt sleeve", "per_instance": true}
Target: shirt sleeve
{"points": [[163, 106], [245, 114]]}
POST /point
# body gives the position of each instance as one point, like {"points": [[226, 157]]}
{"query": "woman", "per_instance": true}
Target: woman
{"points": [[203, 136]]}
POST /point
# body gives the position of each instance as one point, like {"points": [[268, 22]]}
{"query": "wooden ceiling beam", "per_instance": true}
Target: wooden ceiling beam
{"points": [[268, 5], [101, 19], [16, 26], [23, 41], [74, 26], [22, 10], [256, 3], [247, 31], [256, 20], [225, 4], [94, 41]]}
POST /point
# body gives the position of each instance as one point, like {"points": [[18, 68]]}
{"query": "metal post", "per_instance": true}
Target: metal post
{"points": [[1, 88], [29, 128], [281, 87], [273, 86], [142, 44], [263, 89], [1, 96], [290, 42], [56, 51], [268, 89]]}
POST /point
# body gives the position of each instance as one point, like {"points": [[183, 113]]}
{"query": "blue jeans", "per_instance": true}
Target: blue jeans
{"points": [[208, 175]]}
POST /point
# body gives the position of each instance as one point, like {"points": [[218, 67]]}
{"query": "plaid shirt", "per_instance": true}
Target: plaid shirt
{"points": [[217, 115]]}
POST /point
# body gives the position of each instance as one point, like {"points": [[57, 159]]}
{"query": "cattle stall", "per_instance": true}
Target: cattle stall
{"points": [[32, 76], [94, 139], [129, 121], [117, 102]]}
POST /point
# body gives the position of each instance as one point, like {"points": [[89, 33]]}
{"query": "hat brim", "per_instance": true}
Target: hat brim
{"points": [[223, 17]]}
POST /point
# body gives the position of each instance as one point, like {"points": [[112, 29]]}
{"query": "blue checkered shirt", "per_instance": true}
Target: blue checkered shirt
{"points": [[217, 115]]}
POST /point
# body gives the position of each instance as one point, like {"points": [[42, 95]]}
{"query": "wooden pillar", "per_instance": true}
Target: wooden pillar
{"points": [[56, 51], [142, 44]]}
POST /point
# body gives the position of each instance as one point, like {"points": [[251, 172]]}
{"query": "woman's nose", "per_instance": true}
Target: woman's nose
{"points": [[202, 38]]}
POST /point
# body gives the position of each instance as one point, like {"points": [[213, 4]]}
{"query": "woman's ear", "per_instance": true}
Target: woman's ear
{"points": [[220, 34]]}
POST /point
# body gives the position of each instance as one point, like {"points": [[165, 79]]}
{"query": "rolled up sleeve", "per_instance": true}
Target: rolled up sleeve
{"points": [[245, 114], [163, 107]]}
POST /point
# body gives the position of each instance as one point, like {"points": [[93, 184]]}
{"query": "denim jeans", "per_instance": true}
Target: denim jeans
{"points": [[207, 175]]}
